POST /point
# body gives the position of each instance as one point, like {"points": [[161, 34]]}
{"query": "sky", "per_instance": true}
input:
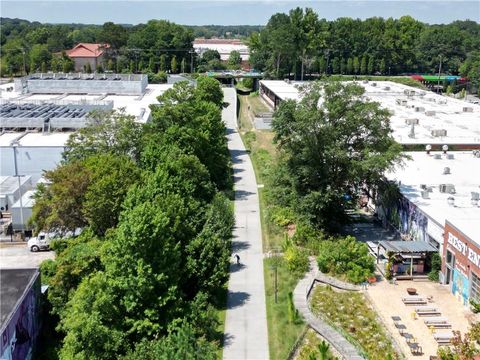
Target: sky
{"points": [[230, 12]]}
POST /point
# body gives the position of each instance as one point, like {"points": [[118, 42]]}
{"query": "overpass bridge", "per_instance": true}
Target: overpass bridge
{"points": [[230, 76]]}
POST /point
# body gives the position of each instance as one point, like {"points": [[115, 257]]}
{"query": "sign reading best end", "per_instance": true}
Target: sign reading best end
{"points": [[464, 249]]}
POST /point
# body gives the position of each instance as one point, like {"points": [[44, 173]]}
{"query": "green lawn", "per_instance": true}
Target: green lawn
{"points": [[350, 313], [282, 334]]}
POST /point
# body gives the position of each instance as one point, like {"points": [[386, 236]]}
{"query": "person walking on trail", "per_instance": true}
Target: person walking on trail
{"points": [[237, 257]]}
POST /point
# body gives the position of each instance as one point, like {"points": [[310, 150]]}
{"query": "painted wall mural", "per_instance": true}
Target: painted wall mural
{"points": [[408, 219], [19, 336]]}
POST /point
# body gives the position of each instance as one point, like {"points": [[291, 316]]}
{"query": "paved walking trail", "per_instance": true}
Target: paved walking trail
{"points": [[246, 335]]}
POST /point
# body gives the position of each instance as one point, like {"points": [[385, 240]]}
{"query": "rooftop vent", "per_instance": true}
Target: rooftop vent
{"points": [[442, 101], [437, 156], [467, 109], [476, 153], [386, 88], [365, 81], [430, 113], [423, 186], [475, 195], [374, 84], [451, 201], [446, 170], [439, 132], [425, 194], [411, 121], [450, 156], [419, 109]]}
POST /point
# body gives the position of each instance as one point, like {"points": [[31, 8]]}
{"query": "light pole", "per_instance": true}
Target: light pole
{"points": [[14, 146]]}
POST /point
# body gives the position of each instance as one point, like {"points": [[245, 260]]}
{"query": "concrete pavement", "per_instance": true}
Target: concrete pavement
{"points": [[246, 334]]}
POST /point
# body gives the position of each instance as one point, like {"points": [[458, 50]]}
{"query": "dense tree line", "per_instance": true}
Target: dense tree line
{"points": [[152, 47], [301, 43], [143, 278]]}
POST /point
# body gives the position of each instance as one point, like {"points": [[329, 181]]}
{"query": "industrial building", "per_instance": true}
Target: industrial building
{"points": [[20, 312], [418, 117], [80, 83], [440, 205], [21, 211], [223, 46], [11, 189]]}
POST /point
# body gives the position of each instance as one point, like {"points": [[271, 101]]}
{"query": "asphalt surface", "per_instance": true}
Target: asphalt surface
{"points": [[246, 334], [18, 256]]}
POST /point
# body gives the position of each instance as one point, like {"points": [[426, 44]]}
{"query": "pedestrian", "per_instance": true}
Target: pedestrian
{"points": [[237, 257]]}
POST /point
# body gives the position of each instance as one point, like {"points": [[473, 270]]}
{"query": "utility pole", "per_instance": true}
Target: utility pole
{"points": [[24, 62]]}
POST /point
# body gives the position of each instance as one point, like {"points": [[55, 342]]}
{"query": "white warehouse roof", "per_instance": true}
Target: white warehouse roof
{"points": [[428, 171]]}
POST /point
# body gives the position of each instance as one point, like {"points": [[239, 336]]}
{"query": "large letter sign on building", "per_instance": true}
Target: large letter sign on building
{"points": [[457, 244]]}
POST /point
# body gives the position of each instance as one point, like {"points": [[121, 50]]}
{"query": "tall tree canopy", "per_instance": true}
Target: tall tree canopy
{"points": [[333, 142]]}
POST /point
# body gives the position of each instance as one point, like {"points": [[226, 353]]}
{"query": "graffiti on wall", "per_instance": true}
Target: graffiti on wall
{"points": [[408, 219], [460, 286], [21, 331]]}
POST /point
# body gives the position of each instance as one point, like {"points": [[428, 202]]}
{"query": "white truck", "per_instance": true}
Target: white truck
{"points": [[41, 241]]}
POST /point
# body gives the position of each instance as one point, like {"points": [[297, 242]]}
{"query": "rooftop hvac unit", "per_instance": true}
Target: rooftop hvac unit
{"points": [[430, 113], [437, 156], [425, 194], [365, 81], [446, 170], [423, 186], [419, 109], [374, 84], [442, 101], [439, 132], [450, 156], [411, 121], [475, 195], [476, 153], [447, 188], [386, 88], [467, 109]]}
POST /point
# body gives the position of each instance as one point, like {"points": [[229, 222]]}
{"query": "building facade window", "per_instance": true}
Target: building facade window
{"points": [[475, 291]]}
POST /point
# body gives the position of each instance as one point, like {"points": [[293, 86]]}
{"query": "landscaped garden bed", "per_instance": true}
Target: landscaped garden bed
{"points": [[350, 313]]}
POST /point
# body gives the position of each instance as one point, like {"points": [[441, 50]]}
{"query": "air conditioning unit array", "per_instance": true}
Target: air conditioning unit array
{"points": [[439, 132]]}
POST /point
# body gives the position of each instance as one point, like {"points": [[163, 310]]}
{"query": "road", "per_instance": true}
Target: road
{"points": [[18, 256], [246, 334]]}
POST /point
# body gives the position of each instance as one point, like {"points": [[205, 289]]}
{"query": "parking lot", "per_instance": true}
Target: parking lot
{"points": [[17, 255]]}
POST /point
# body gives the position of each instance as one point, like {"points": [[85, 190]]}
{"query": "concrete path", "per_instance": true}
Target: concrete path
{"points": [[300, 299], [246, 335]]}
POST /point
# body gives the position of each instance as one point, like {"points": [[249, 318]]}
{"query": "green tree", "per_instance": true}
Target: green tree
{"points": [[209, 55], [335, 65], [382, 67], [356, 65], [322, 65], [58, 204], [325, 166], [371, 65], [363, 65], [350, 66], [110, 179], [114, 35], [183, 66], [174, 65], [39, 57], [163, 63], [112, 132], [208, 89], [234, 60]]}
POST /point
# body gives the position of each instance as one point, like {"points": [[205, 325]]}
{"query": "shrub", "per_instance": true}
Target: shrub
{"points": [[296, 258], [346, 257], [436, 265], [249, 138], [281, 216], [306, 234]]}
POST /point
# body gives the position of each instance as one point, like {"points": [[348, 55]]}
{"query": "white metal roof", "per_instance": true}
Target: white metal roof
{"points": [[426, 170], [27, 200], [9, 184], [433, 111]]}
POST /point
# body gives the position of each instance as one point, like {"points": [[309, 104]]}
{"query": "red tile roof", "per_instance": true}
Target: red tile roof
{"points": [[87, 50]]}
